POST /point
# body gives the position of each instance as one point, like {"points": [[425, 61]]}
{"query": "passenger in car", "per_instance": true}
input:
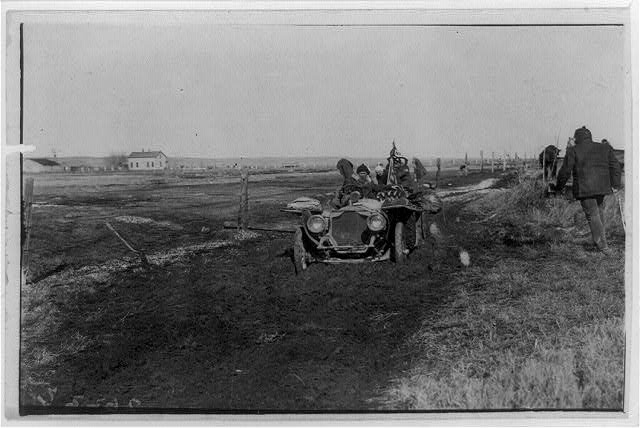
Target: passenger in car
{"points": [[349, 183], [365, 182]]}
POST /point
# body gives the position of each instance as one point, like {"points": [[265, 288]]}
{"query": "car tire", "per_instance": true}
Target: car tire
{"points": [[411, 231], [399, 244], [300, 259]]}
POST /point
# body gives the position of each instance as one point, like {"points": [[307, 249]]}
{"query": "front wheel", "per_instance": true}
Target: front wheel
{"points": [[400, 244], [300, 259]]}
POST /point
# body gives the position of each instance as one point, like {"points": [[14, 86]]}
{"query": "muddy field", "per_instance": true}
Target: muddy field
{"points": [[219, 322]]}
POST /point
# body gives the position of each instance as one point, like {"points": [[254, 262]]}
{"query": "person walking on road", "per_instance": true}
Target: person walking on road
{"points": [[596, 172]]}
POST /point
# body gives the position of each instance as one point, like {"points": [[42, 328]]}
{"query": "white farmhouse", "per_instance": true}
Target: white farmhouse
{"points": [[147, 161]]}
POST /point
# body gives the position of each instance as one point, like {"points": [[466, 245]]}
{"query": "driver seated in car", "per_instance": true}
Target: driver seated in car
{"points": [[365, 182]]}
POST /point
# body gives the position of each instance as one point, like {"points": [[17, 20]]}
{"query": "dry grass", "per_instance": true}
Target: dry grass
{"points": [[525, 214], [550, 378], [541, 338], [542, 311]]}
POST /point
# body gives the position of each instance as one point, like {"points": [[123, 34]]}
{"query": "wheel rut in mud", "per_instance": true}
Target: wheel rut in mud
{"points": [[236, 329]]}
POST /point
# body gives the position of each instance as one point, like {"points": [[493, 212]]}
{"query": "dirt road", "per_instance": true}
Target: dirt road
{"points": [[226, 327]]}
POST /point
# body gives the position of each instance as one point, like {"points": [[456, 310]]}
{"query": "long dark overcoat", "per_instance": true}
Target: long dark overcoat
{"points": [[594, 167]]}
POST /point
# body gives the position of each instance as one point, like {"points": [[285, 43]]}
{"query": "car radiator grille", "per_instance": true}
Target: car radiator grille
{"points": [[348, 228]]}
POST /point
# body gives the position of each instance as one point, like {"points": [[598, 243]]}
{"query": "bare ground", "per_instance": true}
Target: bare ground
{"points": [[220, 322]]}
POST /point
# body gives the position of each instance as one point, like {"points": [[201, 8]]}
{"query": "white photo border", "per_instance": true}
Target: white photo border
{"points": [[287, 12]]}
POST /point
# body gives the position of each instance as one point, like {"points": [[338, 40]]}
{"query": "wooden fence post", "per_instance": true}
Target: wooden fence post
{"points": [[493, 158], [438, 171], [243, 212], [481, 161], [504, 162]]}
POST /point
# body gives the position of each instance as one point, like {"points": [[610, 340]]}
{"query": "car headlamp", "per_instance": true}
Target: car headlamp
{"points": [[376, 222], [315, 224]]}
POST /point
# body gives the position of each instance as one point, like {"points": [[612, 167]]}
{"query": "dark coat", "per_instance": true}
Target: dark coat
{"points": [[420, 171], [366, 188], [594, 167], [345, 167], [548, 156]]}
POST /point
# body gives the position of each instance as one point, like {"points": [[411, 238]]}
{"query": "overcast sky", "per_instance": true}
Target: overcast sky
{"points": [[278, 90]]}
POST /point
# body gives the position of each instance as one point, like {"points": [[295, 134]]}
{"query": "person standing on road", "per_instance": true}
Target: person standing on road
{"points": [[419, 171], [596, 172]]}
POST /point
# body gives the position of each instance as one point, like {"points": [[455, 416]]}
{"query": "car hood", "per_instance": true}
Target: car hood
{"points": [[364, 207]]}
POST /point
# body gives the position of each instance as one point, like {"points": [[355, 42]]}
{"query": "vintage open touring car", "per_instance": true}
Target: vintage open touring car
{"points": [[363, 229]]}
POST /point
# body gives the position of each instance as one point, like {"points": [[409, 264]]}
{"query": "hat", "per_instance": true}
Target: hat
{"points": [[363, 168], [582, 135]]}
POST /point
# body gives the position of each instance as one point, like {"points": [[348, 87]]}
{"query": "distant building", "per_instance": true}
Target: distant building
{"points": [[147, 161], [41, 165], [83, 164]]}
